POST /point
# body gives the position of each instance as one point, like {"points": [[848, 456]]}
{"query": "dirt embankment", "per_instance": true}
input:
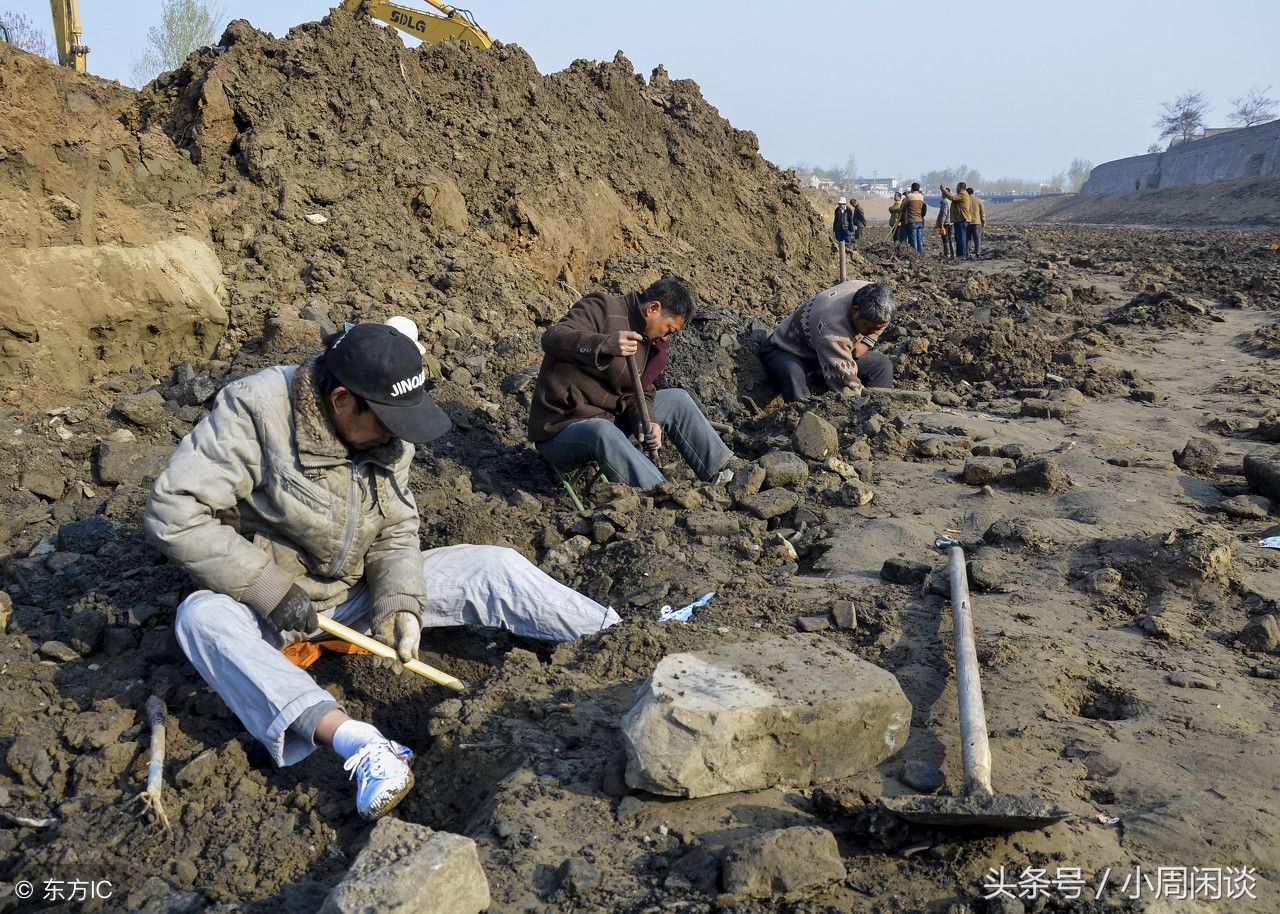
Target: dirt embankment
{"points": [[1114, 587], [1245, 203]]}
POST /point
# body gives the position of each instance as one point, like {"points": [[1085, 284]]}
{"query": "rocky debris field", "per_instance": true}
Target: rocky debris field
{"points": [[1091, 409]]}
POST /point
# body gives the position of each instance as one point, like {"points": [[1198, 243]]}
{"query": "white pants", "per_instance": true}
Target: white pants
{"points": [[238, 653]]}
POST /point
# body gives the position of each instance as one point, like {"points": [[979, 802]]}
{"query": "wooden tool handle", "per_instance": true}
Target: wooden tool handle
{"points": [[975, 748], [373, 646], [642, 404]]}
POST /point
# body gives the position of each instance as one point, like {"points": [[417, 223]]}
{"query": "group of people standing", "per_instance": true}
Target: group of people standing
{"points": [[961, 217]]}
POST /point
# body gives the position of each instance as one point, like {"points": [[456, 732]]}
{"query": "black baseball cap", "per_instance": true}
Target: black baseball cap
{"points": [[383, 367]]}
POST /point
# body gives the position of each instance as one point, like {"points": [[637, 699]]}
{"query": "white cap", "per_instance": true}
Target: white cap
{"points": [[842, 200], [409, 329]]}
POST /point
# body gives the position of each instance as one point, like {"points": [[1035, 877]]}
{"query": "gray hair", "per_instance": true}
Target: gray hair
{"points": [[875, 302]]}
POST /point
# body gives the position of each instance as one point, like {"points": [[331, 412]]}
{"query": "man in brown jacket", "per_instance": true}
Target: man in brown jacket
{"points": [[977, 219], [913, 213], [829, 342], [584, 404]]}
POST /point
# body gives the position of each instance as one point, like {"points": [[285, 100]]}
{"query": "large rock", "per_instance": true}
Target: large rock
{"points": [[410, 869], [816, 438], [1200, 456], [782, 862], [72, 312], [783, 469], [771, 503], [793, 711], [1262, 470]]}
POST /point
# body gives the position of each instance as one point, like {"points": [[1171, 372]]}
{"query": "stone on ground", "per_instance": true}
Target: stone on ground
{"points": [[782, 862], [783, 469], [815, 437], [979, 471], [1262, 470], [792, 711], [1200, 456], [410, 869]]}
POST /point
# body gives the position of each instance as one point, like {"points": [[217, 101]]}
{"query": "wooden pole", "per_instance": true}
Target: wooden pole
{"points": [[439, 677]]}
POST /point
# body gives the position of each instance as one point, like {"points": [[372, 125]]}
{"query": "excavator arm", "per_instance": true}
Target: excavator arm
{"points": [[449, 23], [66, 33]]}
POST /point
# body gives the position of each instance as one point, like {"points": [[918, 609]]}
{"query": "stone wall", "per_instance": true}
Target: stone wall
{"points": [[1248, 153]]}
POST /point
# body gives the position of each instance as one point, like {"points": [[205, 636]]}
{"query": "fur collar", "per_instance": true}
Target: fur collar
{"points": [[313, 430]]}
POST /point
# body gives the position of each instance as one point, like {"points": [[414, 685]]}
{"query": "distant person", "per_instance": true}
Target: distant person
{"points": [[859, 220], [895, 217], [913, 212], [829, 342], [977, 219], [1137, 184], [944, 229], [842, 224], [959, 216]]}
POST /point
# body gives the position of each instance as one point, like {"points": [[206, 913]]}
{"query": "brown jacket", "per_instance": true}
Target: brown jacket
{"points": [[959, 205], [576, 381], [977, 210], [913, 207], [821, 330]]}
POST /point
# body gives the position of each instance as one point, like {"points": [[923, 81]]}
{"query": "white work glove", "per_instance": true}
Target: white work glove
{"points": [[402, 631]]}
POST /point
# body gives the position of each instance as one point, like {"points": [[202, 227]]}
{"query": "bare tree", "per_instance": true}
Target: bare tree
{"points": [[1077, 174], [1183, 118], [1253, 108], [24, 34], [1154, 149], [185, 25]]}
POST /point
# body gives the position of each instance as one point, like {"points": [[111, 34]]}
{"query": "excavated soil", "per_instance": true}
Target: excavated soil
{"points": [[1112, 586]]}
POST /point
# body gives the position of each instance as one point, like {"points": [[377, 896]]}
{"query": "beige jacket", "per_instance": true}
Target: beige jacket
{"points": [[959, 205], [821, 330], [263, 494]]}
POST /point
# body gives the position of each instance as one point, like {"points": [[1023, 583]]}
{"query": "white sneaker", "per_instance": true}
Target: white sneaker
{"points": [[381, 770]]}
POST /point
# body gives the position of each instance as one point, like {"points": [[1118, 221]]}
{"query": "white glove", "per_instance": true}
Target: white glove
{"points": [[402, 631]]}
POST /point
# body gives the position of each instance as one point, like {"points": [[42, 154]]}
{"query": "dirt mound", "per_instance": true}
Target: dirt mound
{"points": [[1252, 202]]}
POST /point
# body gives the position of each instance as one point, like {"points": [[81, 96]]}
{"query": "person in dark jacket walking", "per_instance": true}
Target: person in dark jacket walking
{"points": [[859, 220], [842, 224], [584, 406]]}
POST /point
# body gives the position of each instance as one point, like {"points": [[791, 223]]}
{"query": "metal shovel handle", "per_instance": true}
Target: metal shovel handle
{"points": [[974, 746]]}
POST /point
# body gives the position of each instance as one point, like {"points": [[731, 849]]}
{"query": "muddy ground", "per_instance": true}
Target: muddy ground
{"points": [[1114, 587]]}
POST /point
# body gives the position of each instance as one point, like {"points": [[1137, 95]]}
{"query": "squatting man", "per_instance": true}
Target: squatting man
{"points": [[291, 498]]}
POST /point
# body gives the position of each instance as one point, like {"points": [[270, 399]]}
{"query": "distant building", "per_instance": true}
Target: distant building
{"points": [[877, 183]]}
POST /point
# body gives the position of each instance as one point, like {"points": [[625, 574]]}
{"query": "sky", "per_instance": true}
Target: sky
{"points": [[1012, 89]]}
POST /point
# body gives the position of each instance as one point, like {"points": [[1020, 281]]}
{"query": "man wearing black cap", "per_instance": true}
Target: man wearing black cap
{"points": [[291, 498]]}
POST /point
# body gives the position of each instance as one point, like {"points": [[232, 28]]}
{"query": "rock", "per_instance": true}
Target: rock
{"points": [[1262, 470], [6, 611], [30, 761], [747, 480], [1191, 681], [86, 536], [577, 875], [566, 554], [941, 447], [777, 550], [791, 711], [97, 730], [1046, 409], [840, 468], [47, 485], [130, 462], [683, 496], [815, 437], [979, 471], [1246, 507], [783, 469], [903, 571], [85, 630], [159, 645], [1105, 582], [815, 622], [1042, 474], [56, 650], [852, 492], [1261, 634], [410, 869], [845, 613], [712, 523], [782, 862], [921, 776], [1200, 456], [771, 503], [145, 410], [198, 770]]}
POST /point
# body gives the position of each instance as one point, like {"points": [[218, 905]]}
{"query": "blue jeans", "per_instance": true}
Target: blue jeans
{"points": [[621, 460], [797, 378], [915, 235], [961, 228], [845, 235]]}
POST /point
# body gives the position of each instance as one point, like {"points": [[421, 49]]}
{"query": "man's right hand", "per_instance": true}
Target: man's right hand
{"points": [[294, 613], [623, 343]]}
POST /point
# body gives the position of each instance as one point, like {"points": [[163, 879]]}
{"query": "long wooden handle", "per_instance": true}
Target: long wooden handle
{"points": [[642, 404], [439, 677], [974, 747]]}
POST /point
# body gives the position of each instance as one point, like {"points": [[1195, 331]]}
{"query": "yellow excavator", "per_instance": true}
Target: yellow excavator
{"points": [[450, 23], [66, 34]]}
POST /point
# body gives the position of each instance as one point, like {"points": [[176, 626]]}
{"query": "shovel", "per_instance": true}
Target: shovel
{"points": [[439, 677], [980, 806], [646, 436]]}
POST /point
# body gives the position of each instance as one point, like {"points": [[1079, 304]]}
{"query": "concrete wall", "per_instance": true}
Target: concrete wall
{"points": [[1248, 153]]}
